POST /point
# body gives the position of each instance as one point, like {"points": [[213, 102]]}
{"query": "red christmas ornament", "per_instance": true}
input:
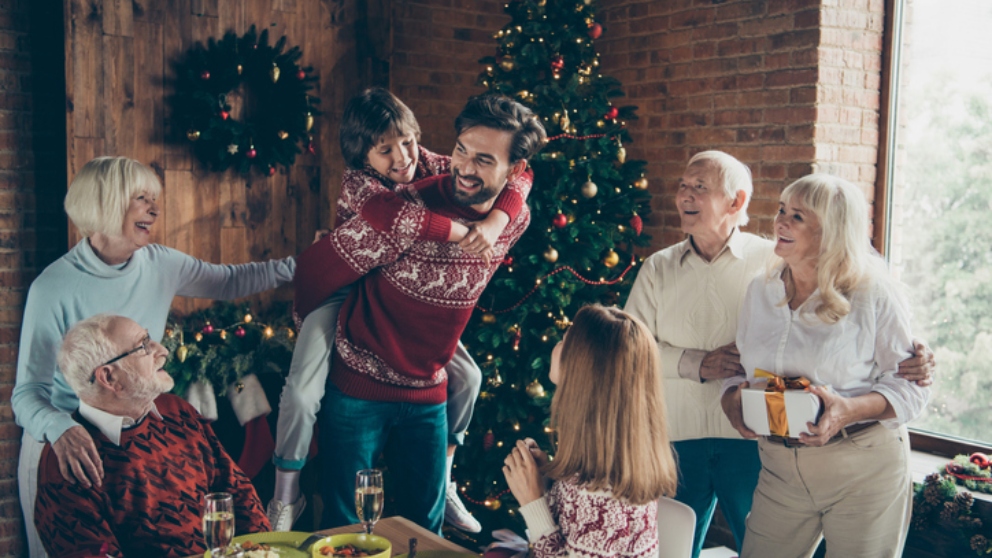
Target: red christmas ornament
{"points": [[301, 75], [637, 224], [205, 75], [560, 221], [980, 459], [508, 260], [612, 113], [595, 31], [516, 340], [272, 171], [208, 329], [224, 115], [251, 153], [240, 332], [311, 149], [557, 63], [488, 440]]}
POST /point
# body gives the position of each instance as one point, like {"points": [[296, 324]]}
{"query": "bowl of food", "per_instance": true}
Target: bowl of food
{"points": [[351, 545]]}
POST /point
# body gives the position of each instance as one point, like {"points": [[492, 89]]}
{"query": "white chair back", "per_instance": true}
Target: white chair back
{"points": [[676, 526]]}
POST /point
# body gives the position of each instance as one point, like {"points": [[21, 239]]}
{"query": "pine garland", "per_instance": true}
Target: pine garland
{"points": [[225, 342], [278, 113], [939, 502]]}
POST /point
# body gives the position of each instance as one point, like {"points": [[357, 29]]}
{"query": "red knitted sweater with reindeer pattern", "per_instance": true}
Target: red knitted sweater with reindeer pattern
{"points": [[400, 325]]}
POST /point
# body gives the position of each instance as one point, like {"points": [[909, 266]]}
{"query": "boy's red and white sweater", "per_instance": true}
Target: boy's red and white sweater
{"points": [[399, 326], [366, 191]]}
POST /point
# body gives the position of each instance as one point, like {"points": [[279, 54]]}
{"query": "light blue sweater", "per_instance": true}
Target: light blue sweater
{"points": [[80, 285]]}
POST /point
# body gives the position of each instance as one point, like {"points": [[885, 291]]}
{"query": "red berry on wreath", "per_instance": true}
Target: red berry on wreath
{"points": [[251, 154], [980, 459], [301, 75], [595, 31], [560, 221], [224, 115], [205, 75], [612, 113]]}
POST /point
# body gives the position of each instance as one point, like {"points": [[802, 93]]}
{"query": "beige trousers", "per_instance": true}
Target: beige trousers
{"points": [[855, 492]]}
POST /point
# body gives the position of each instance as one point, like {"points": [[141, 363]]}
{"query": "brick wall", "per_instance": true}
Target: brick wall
{"points": [[436, 48], [32, 184], [850, 64], [787, 86]]}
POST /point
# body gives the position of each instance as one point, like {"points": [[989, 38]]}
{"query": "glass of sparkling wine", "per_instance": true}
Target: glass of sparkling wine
{"points": [[218, 523], [368, 497]]}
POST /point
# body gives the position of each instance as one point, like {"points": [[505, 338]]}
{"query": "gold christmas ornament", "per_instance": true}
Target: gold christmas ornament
{"points": [[274, 72], [193, 135], [563, 323], [223, 334], [641, 183], [488, 318], [611, 259], [290, 333], [493, 503], [247, 319], [589, 189], [565, 122], [495, 380], [181, 353], [239, 68], [198, 337], [283, 134], [506, 63], [535, 390], [308, 123], [621, 155], [551, 255]]}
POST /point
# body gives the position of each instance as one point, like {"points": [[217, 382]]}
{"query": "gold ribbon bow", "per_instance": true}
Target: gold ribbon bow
{"points": [[778, 423]]}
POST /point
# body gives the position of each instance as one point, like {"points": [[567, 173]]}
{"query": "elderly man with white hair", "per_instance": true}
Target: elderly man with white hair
{"points": [[689, 295], [159, 455]]}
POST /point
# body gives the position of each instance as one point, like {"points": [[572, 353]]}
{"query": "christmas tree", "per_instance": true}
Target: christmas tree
{"points": [[586, 218]]}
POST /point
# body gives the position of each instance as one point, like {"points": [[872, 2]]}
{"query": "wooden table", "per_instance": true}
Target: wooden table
{"points": [[399, 530]]}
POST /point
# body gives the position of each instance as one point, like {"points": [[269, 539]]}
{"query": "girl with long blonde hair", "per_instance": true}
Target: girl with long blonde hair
{"points": [[613, 460]]}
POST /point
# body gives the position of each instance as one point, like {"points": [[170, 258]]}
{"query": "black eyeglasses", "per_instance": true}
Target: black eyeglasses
{"points": [[142, 347]]}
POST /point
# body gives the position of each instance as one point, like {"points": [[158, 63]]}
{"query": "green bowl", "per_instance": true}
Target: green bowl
{"points": [[360, 540]]}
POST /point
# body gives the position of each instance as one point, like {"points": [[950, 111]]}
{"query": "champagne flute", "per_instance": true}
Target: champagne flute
{"points": [[218, 522], [368, 497]]}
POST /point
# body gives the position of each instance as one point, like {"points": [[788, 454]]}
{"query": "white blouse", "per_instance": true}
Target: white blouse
{"points": [[858, 354]]}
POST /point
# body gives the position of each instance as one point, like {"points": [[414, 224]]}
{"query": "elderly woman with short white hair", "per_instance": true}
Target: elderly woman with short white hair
{"points": [[114, 269], [829, 312]]}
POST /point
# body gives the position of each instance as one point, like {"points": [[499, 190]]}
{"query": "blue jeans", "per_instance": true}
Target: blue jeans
{"points": [[718, 469], [354, 433]]}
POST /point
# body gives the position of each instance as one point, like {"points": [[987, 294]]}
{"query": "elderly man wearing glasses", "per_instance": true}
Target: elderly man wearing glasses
{"points": [[159, 455]]}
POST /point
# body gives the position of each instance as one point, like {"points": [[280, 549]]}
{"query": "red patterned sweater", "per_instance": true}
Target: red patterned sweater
{"points": [[151, 501], [399, 327], [359, 187], [571, 521]]}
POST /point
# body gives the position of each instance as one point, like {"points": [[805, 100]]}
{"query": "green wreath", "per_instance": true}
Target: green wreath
{"points": [[278, 111]]}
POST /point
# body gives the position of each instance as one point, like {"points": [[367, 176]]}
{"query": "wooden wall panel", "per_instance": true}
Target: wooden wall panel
{"points": [[119, 64]]}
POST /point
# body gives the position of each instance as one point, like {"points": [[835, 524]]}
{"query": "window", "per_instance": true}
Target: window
{"points": [[939, 225]]}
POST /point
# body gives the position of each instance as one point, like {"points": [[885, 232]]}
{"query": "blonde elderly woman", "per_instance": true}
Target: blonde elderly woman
{"points": [[114, 269], [829, 312], [689, 295]]}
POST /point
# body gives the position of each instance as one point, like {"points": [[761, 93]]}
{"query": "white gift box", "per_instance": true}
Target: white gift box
{"points": [[801, 407]]}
